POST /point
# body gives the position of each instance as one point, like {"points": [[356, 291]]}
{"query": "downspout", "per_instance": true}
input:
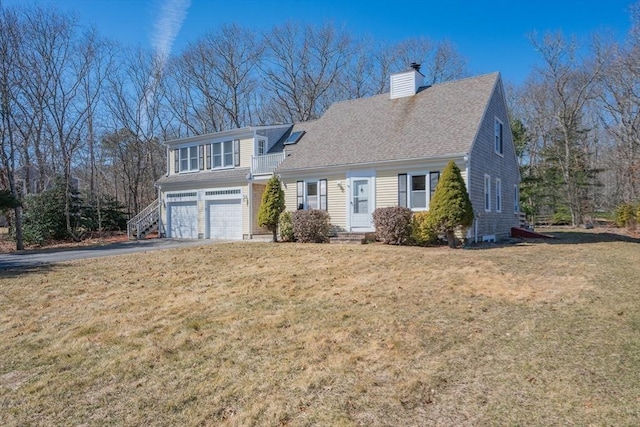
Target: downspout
{"points": [[250, 204], [161, 233], [168, 159], [467, 162]]}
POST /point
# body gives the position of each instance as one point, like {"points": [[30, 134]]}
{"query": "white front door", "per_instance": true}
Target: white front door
{"points": [[183, 220], [225, 219], [361, 203]]}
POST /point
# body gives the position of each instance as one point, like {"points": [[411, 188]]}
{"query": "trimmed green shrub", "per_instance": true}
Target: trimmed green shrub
{"points": [[423, 231], [272, 206], [311, 226], [393, 224], [626, 215], [286, 227], [450, 208]]}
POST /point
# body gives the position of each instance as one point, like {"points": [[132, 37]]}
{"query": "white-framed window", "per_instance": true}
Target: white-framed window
{"points": [[516, 199], [416, 189], [222, 154], [487, 193], [225, 154], [312, 194], [188, 159], [262, 147], [498, 195], [498, 136]]}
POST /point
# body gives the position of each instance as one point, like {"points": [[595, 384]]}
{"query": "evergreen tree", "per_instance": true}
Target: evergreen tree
{"points": [[7, 201], [272, 206], [450, 206]]}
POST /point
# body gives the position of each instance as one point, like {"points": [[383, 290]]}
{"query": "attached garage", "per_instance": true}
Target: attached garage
{"points": [[225, 219], [183, 220]]}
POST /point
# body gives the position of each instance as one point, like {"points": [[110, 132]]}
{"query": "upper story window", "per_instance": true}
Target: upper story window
{"points": [[188, 159], [516, 199], [222, 154], [413, 189], [262, 147], [498, 133], [225, 154]]}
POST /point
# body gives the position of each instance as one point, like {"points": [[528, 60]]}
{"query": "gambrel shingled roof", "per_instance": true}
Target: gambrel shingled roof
{"points": [[439, 120]]}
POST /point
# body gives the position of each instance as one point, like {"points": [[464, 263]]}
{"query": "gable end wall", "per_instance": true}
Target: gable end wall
{"points": [[484, 160]]}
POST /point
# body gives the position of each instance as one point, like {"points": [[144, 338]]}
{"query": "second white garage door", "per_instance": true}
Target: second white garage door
{"points": [[225, 219]]}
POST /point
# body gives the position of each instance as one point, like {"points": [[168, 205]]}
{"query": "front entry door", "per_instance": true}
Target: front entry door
{"points": [[361, 203]]}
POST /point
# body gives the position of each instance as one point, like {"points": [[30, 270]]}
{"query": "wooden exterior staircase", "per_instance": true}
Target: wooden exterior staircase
{"points": [[144, 222]]}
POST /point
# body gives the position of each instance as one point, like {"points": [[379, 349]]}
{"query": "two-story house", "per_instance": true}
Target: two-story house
{"points": [[384, 150], [214, 184]]}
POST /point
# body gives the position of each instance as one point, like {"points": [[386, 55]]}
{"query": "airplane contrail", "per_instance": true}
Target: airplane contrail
{"points": [[167, 26], [170, 18]]}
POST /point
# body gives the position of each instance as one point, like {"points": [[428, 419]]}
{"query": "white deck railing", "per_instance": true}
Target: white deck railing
{"points": [[266, 164], [143, 221]]}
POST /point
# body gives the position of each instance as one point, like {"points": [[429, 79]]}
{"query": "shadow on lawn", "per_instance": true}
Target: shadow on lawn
{"points": [[574, 237], [562, 237], [9, 271]]}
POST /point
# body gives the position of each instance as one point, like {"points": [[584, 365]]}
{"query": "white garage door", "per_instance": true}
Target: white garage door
{"points": [[225, 219], [183, 220]]}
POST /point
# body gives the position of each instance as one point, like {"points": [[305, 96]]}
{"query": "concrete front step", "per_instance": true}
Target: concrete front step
{"points": [[359, 238]]}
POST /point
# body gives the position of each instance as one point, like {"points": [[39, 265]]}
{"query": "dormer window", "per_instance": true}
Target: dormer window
{"points": [[188, 159], [225, 154], [262, 147], [222, 154]]}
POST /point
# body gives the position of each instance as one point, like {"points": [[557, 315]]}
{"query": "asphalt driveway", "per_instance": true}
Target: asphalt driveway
{"points": [[35, 258]]}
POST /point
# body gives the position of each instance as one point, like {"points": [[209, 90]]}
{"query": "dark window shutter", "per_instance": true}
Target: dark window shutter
{"points": [[434, 177], [176, 160], [236, 152], [201, 157], [402, 190], [207, 163], [300, 194], [323, 194], [501, 140]]}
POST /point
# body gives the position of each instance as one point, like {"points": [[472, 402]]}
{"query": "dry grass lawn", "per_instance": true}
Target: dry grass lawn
{"points": [[290, 334]]}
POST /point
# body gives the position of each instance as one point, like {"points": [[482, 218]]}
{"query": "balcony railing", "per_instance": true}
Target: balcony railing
{"points": [[266, 164]]}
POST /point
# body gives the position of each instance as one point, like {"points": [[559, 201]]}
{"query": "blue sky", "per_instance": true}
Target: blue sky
{"points": [[491, 34]]}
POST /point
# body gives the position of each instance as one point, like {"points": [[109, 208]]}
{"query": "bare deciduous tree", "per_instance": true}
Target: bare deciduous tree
{"points": [[571, 84], [302, 64], [10, 42]]}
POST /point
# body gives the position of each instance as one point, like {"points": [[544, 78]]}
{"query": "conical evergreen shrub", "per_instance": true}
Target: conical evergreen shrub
{"points": [[450, 207]]}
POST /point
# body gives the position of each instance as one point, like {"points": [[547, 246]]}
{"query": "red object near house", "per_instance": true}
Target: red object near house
{"points": [[522, 232]]}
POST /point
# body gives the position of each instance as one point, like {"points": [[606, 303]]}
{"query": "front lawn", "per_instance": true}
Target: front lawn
{"points": [[544, 333]]}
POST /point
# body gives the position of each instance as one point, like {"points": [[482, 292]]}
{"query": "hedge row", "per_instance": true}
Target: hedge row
{"points": [[400, 226]]}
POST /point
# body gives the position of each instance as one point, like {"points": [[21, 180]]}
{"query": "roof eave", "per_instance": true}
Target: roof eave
{"points": [[382, 163]]}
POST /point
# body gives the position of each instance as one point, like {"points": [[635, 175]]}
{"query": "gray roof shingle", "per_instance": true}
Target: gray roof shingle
{"points": [[440, 120]]}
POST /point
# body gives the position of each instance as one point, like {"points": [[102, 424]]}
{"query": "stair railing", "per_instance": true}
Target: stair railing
{"points": [[144, 220]]}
